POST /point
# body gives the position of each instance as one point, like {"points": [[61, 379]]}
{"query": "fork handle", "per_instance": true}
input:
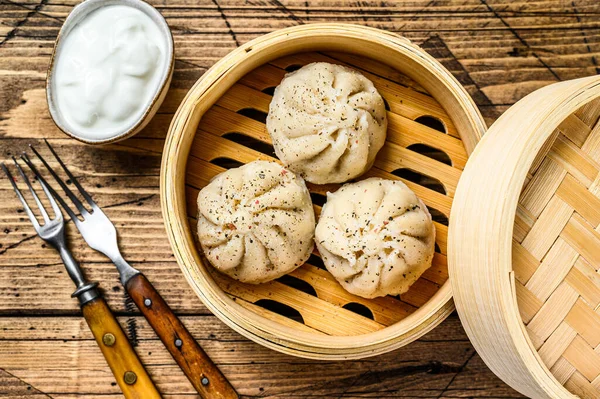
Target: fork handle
{"points": [[204, 375], [120, 356]]}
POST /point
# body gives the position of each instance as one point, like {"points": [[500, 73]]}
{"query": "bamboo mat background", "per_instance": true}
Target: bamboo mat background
{"points": [[499, 50]]}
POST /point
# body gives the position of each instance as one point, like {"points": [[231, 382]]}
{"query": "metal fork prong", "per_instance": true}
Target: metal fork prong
{"points": [[51, 190], [33, 193], [32, 217], [66, 189], [84, 193], [50, 194]]}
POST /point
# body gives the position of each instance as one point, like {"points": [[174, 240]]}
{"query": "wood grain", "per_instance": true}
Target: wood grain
{"points": [[500, 50], [204, 375], [132, 377]]}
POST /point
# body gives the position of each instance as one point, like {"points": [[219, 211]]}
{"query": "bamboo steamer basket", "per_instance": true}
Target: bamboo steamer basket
{"points": [[220, 124], [528, 292]]}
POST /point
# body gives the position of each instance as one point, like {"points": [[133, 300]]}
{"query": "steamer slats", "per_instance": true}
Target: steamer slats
{"points": [[420, 292], [376, 68], [220, 125], [220, 121], [240, 97], [411, 132], [386, 310], [393, 157], [402, 100], [339, 321], [225, 133], [276, 317]]}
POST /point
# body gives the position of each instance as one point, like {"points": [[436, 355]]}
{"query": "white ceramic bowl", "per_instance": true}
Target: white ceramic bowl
{"points": [[79, 13]]}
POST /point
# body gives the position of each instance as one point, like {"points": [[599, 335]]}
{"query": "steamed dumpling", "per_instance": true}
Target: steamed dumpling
{"points": [[256, 222], [327, 122], [376, 237]]}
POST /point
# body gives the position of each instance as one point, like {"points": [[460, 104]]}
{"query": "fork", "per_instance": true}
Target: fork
{"points": [[100, 234], [120, 356]]}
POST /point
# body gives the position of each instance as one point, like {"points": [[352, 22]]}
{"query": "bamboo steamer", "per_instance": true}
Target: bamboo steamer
{"points": [[528, 293], [220, 124]]}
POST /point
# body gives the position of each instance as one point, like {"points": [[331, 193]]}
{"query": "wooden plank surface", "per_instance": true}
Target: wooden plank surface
{"points": [[500, 50]]}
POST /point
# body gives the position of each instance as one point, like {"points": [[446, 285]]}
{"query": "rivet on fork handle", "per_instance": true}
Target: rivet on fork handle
{"points": [[204, 375], [129, 372]]}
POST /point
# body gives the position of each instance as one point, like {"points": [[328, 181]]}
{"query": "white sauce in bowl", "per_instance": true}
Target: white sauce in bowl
{"points": [[108, 70]]}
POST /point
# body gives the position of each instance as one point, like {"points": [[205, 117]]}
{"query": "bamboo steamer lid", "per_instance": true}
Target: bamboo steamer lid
{"points": [[524, 243]]}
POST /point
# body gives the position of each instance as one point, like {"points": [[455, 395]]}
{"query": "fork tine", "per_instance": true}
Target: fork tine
{"points": [[49, 194], [66, 189], [33, 193], [34, 221], [87, 197], [50, 190], [55, 206]]}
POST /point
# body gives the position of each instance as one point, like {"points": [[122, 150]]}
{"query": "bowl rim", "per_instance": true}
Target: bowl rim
{"points": [[372, 42], [79, 12], [485, 270]]}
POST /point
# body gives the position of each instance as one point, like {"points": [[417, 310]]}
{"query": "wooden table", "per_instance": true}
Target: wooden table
{"points": [[499, 50]]}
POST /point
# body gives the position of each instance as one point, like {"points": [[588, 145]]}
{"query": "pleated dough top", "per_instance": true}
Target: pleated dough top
{"points": [[376, 237], [256, 222], [327, 122]]}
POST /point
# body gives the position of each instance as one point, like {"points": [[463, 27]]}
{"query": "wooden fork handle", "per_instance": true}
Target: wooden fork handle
{"points": [[195, 363], [120, 356]]}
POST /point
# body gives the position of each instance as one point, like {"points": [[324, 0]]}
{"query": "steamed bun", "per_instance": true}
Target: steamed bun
{"points": [[327, 122], [376, 237], [256, 222]]}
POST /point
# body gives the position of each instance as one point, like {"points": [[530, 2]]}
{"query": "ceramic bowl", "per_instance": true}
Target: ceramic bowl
{"points": [[78, 14]]}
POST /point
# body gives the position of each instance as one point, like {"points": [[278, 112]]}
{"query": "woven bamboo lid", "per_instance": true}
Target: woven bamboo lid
{"points": [[524, 243]]}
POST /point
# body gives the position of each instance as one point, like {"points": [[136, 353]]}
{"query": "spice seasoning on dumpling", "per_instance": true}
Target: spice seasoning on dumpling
{"points": [[327, 122], [376, 237], [256, 222]]}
